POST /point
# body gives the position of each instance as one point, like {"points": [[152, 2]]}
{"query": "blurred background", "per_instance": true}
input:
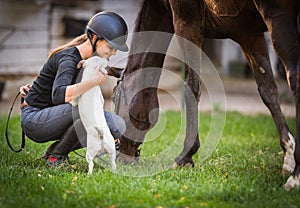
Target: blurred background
{"points": [[29, 29]]}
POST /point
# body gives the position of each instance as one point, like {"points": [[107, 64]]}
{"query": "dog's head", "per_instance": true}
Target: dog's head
{"points": [[95, 61]]}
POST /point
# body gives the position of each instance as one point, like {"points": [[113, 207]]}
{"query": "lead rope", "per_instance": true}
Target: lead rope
{"points": [[6, 131]]}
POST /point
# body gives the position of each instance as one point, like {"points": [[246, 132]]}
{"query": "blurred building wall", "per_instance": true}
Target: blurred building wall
{"points": [[23, 36], [30, 28]]}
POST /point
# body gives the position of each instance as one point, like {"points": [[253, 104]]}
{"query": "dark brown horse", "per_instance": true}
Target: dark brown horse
{"points": [[243, 21]]}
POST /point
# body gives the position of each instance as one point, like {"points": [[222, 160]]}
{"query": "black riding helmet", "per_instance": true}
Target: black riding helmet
{"points": [[110, 27]]}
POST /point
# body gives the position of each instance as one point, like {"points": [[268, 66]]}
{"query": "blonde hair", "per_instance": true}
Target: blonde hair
{"points": [[76, 41]]}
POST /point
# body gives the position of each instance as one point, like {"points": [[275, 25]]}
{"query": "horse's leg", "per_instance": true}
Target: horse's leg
{"points": [[188, 27], [255, 50], [192, 96], [294, 180], [281, 20]]}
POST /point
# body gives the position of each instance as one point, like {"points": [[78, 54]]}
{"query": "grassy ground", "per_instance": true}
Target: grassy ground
{"points": [[243, 171]]}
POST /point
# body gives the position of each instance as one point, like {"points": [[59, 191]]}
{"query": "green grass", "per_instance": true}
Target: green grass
{"points": [[243, 171]]}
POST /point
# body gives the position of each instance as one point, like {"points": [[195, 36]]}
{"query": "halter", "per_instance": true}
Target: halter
{"points": [[117, 99]]}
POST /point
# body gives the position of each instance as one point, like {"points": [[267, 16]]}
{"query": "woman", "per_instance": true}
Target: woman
{"points": [[47, 114]]}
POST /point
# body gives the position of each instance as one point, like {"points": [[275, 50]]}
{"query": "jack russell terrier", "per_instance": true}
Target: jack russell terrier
{"points": [[91, 111]]}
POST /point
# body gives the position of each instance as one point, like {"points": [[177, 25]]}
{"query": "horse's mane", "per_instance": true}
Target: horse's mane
{"points": [[138, 19]]}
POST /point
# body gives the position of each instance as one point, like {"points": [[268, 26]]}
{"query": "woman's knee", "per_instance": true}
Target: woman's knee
{"points": [[121, 126], [116, 124]]}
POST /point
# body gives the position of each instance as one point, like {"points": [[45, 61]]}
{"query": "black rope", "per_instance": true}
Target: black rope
{"points": [[98, 156], [78, 154], [6, 131]]}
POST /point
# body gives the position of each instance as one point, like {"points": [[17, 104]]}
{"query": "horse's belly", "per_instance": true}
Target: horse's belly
{"points": [[248, 21]]}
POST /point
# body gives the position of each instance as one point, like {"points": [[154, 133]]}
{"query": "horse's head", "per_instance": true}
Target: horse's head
{"points": [[129, 150], [135, 96], [114, 71], [137, 104]]}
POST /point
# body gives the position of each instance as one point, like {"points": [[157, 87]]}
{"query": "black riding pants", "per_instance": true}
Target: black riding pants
{"points": [[61, 123]]}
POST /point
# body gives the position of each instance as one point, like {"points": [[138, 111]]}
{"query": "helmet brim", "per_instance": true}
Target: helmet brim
{"points": [[123, 47], [113, 43]]}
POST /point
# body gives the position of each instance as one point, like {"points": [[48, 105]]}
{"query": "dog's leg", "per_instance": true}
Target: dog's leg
{"points": [[90, 161], [111, 149], [93, 147], [112, 156], [109, 145]]}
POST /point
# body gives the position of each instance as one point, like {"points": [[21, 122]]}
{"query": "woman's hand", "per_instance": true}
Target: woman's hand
{"points": [[99, 77], [103, 78], [75, 90], [24, 90]]}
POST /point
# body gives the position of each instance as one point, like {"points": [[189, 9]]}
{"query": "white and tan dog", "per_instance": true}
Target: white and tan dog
{"points": [[91, 111]]}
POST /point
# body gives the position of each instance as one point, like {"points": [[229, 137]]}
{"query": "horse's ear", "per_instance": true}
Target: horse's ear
{"points": [[114, 71]]}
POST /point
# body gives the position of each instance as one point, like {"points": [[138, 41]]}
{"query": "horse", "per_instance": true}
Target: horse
{"points": [[243, 21]]}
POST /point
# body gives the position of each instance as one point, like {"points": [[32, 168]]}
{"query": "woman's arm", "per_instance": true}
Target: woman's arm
{"points": [[75, 90]]}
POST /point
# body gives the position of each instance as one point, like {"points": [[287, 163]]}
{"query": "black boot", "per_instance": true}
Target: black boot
{"points": [[49, 150], [70, 141]]}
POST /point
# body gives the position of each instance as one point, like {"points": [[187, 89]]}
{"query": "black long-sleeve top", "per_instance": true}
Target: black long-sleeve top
{"points": [[58, 72]]}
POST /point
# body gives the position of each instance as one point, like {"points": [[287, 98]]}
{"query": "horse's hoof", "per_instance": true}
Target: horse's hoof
{"points": [[189, 165], [183, 164], [175, 165], [127, 159], [287, 169], [292, 182], [289, 159]]}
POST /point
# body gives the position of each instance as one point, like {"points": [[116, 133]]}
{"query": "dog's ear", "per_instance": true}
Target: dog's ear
{"points": [[114, 71]]}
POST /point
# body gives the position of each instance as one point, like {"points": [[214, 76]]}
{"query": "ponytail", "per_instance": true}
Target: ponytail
{"points": [[76, 41]]}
